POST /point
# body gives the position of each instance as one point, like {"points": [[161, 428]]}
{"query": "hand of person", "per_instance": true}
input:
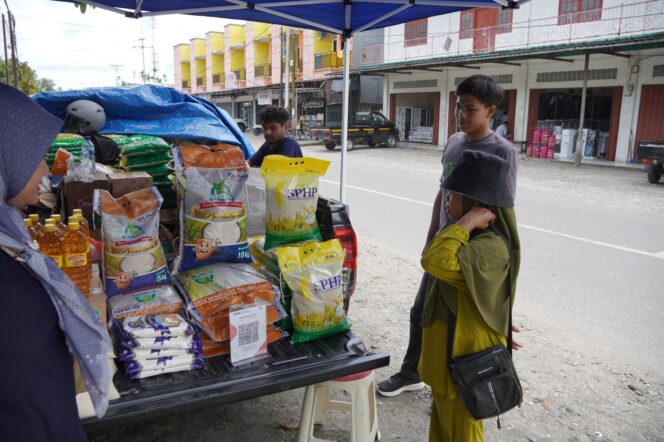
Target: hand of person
{"points": [[477, 218], [515, 344]]}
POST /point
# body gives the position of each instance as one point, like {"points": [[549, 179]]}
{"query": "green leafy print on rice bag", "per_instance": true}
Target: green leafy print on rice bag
{"points": [[313, 273], [291, 186]]}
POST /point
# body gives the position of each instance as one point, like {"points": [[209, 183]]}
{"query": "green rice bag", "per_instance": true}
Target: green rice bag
{"points": [[157, 171], [67, 140], [146, 159]]}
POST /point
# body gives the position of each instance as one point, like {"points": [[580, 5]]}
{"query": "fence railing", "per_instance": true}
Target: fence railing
{"points": [[327, 60], [263, 70], [630, 19]]}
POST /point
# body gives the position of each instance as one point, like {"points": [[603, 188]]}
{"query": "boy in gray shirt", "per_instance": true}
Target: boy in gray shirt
{"points": [[477, 98]]}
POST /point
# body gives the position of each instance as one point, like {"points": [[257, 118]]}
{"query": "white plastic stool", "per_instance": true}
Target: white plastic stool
{"points": [[362, 406]]}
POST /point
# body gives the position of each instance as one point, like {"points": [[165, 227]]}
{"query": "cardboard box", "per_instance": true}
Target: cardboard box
{"points": [[123, 183], [79, 195]]}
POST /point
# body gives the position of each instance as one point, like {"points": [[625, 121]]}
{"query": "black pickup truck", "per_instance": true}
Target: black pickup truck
{"points": [[370, 128], [652, 151], [288, 366]]}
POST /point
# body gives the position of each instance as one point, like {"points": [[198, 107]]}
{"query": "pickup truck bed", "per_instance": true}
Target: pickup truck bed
{"points": [[288, 366]]}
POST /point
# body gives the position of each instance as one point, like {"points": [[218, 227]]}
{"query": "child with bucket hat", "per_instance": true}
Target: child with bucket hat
{"points": [[469, 265]]}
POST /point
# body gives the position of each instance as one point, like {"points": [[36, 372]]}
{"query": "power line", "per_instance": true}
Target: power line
{"points": [[142, 47], [116, 68]]}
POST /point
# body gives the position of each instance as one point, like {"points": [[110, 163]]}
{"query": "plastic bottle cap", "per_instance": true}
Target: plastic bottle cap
{"points": [[57, 217], [34, 217], [74, 218], [28, 222], [49, 221], [49, 227], [77, 212], [74, 226]]}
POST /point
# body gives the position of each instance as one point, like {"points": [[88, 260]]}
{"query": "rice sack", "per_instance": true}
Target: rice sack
{"points": [[313, 273], [133, 256], [292, 196], [211, 182]]}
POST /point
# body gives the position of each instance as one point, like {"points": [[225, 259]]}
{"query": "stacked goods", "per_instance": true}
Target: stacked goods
{"points": [[212, 219], [71, 143], [211, 291], [133, 255], [292, 197], [151, 301], [146, 153], [313, 271], [150, 345]]}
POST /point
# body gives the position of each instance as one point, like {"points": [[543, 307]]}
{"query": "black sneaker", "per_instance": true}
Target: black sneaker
{"points": [[399, 383]]}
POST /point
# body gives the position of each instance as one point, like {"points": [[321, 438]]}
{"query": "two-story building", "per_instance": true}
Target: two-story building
{"points": [[537, 54], [242, 70]]}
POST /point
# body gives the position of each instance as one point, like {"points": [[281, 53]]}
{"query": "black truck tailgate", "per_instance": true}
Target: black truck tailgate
{"points": [[288, 366]]}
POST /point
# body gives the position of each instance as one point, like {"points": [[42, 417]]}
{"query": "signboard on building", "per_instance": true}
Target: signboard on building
{"points": [[231, 80], [264, 98]]}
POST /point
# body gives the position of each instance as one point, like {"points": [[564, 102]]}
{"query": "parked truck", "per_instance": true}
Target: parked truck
{"points": [[652, 152]]}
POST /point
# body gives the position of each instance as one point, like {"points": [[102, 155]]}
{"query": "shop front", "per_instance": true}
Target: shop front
{"points": [[416, 115], [554, 116]]}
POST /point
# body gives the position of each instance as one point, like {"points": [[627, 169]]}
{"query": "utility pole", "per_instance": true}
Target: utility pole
{"points": [[287, 82], [142, 47], [155, 61], [116, 68], [4, 43], [12, 39], [281, 64], [294, 100]]}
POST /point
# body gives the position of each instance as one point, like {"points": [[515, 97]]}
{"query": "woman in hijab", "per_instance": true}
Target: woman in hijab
{"points": [[44, 319], [470, 267]]}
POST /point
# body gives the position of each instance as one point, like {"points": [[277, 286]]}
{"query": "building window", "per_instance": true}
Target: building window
{"points": [[467, 24], [415, 32], [578, 11], [185, 84], [504, 21], [216, 78]]}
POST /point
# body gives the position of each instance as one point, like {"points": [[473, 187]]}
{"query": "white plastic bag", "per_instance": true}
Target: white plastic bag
{"points": [[255, 203]]}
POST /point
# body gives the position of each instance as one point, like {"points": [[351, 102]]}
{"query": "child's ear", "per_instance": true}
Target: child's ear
{"points": [[492, 110]]}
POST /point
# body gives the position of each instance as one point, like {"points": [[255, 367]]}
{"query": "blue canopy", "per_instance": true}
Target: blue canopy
{"points": [[153, 110], [337, 16], [345, 17]]}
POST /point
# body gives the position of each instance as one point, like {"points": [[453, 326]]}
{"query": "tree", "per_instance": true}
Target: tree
{"points": [[28, 81]]}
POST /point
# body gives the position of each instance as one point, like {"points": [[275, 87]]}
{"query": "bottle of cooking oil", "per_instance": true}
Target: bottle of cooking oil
{"points": [[59, 225], [75, 248], [61, 233], [50, 244], [78, 218], [35, 224], [85, 226], [28, 224]]}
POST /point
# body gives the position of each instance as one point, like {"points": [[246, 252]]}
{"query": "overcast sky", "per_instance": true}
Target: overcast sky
{"points": [[77, 50]]}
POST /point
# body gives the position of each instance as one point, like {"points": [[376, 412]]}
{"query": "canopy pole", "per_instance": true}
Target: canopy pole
{"points": [[344, 119], [584, 91], [287, 80]]}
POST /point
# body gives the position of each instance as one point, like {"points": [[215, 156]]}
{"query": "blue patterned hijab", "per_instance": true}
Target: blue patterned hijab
{"points": [[26, 131]]}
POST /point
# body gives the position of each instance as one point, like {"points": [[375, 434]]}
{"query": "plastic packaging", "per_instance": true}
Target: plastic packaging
{"points": [[292, 198], [153, 326], [167, 364], [213, 223], [191, 343], [133, 255], [61, 162], [151, 301], [127, 354], [313, 273], [88, 160]]}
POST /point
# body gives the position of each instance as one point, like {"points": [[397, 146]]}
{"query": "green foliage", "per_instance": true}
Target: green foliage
{"points": [[28, 80]]}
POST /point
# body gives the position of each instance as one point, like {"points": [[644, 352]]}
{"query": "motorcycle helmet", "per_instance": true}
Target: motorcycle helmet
{"points": [[84, 117]]}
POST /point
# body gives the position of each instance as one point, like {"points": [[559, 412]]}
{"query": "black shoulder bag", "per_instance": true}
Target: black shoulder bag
{"points": [[487, 381]]}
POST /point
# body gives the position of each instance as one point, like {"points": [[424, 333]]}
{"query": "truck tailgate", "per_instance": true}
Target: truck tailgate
{"points": [[287, 367]]}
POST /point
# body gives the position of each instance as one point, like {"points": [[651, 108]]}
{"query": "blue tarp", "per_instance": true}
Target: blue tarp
{"points": [[153, 110], [326, 15]]}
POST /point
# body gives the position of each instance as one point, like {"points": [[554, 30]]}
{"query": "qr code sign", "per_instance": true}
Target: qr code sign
{"points": [[248, 333]]}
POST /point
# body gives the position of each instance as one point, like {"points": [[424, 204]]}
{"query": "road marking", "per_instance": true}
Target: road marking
{"points": [[375, 192], [658, 255]]}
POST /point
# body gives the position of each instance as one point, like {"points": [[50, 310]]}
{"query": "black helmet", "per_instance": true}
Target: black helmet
{"points": [[84, 117]]}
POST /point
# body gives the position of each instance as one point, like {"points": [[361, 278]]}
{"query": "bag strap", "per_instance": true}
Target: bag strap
{"points": [[452, 319]]}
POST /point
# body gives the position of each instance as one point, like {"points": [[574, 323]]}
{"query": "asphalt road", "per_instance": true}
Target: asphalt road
{"points": [[593, 250]]}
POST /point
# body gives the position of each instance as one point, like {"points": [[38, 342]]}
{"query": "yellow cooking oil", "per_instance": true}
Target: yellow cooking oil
{"points": [[75, 248], [50, 244], [35, 224]]}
